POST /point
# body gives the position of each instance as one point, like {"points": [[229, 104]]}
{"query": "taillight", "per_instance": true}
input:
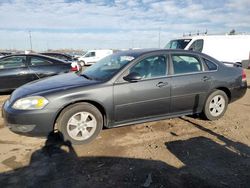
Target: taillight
{"points": [[244, 76], [249, 61], [74, 69]]}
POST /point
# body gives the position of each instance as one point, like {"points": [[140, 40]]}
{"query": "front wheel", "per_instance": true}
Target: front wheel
{"points": [[80, 123], [216, 105]]}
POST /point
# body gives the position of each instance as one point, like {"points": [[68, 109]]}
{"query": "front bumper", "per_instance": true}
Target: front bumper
{"points": [[29, 122]]}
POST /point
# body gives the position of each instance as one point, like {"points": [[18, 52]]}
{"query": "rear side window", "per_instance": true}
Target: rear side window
{"points": [[36, 61], [197, 45], [210, 65], [61, 57], [186, 64], [13, 62]]}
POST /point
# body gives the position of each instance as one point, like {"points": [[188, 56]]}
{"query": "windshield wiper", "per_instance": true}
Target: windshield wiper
{"points": [[85, 76]]}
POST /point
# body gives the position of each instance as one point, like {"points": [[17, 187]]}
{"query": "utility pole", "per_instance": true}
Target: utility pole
{"points": [[159, 38], [30, 40], [47, 46]]}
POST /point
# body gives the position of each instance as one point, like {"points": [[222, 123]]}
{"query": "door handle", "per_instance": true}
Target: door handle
{"points": [[206, 78], [162, 84], [22, 73]]}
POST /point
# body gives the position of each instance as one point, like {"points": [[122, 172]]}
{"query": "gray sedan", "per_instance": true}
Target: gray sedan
{"points": [[125, 88]]}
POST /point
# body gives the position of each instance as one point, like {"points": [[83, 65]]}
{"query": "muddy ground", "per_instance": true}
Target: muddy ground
{"points": [[179, 152]]}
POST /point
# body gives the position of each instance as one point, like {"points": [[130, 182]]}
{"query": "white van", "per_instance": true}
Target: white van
{"points": [[92, 56], [225, 48]]}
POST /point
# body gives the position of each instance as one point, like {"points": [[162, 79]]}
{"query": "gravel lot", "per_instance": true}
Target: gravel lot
{"points": [[179, 152]]}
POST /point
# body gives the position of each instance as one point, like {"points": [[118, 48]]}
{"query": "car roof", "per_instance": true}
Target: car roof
{"points": [[139, 52], [34, 54], [212, 36], [55, 53]]}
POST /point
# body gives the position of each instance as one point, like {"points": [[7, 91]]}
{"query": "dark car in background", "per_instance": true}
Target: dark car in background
{"points": [[19, 69], [62, 56], [125, 88], [2, 54]]}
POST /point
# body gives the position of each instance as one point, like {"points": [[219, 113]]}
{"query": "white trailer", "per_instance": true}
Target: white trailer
{"points": [[225, 48]]}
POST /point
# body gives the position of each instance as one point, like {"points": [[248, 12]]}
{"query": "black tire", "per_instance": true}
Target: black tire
{"points": [[209, 113], [73, 111], [82, 63]]}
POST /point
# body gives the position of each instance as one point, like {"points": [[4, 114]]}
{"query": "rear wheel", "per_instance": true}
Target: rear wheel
{"points": [[80, 123], [216, 105], [82, 63]]}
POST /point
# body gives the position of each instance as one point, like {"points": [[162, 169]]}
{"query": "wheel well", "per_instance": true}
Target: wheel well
{"points": [[97, 105], [227, 91]]}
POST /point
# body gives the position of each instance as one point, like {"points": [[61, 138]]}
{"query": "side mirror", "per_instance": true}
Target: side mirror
{"points": [[133, 77]]}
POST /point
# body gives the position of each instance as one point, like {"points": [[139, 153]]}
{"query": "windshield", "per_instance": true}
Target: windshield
{"points": [[89, 54], [107, 67], [178, 44]]}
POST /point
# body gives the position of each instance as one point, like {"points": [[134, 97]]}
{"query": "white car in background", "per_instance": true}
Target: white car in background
{"points": [[92, 56]]}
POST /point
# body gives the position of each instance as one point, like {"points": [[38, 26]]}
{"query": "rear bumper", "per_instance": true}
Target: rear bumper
{"points": [[28, 122], [238, 92], [90, 63]]}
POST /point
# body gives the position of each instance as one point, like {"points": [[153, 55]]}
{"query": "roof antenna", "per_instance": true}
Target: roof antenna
{"points": [[206, 32]]}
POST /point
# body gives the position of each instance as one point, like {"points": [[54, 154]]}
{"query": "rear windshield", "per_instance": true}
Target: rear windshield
{"points": [[178, 44]]}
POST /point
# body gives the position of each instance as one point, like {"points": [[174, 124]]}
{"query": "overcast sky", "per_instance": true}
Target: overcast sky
{"points": [[88, 24]]}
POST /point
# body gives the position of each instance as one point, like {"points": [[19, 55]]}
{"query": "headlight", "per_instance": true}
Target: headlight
{"points": [[30, 103]]}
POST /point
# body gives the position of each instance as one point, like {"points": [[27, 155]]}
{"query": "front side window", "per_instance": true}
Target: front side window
{"points": [[154, 66], [13, 62], [186, 64], [36, 61], [197, 45]]}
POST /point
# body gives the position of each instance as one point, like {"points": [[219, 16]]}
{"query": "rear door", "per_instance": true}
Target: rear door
{"points": [[148, 97], [42, 67], [14, 72], [190, 83]]}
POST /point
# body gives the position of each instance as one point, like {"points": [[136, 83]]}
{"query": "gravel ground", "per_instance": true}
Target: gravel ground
{"points": [[179, 152]]}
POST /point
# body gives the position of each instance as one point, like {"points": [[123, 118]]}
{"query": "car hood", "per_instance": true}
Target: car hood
{"points": [[64, 81]]}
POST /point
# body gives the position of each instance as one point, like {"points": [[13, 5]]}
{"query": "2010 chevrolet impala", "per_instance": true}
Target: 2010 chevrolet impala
{"points": [[125, 88]]}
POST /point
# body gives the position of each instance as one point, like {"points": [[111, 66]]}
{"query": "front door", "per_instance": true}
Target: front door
{"points": [[147, 97], [13, 72]]}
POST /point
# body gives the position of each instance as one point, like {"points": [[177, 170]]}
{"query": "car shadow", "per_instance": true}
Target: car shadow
{"points": [[6, 93], [206, 164], [225, 163], [57, 165]]}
